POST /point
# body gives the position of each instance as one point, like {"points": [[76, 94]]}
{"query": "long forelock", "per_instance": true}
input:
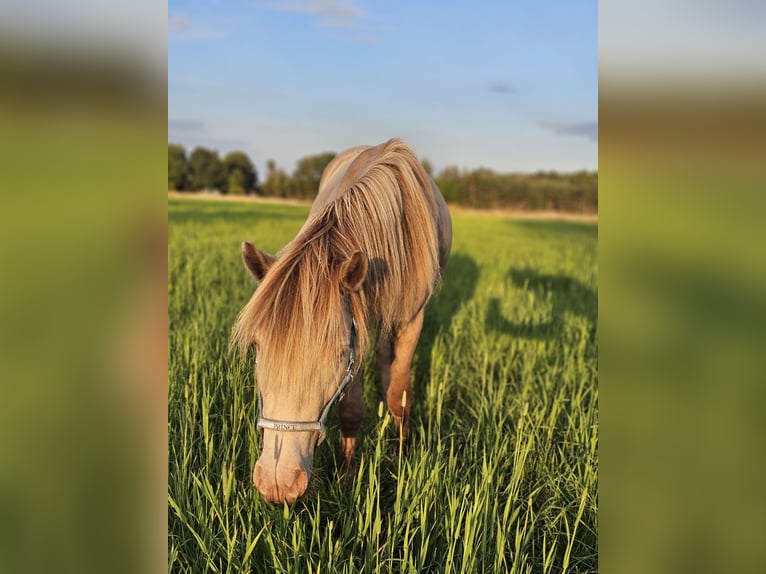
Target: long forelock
{"points": [[296, 318]]}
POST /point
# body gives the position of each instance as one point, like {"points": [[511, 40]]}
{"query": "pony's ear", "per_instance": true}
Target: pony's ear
{"points": [[256, 261], [353, 272]]}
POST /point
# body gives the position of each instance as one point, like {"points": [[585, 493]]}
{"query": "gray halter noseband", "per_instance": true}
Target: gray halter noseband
{"points": [[318, 425]]}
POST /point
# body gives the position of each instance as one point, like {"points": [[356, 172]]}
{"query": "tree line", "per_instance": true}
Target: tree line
{"points": [[544, 190], [204, 169], [482, 188]]}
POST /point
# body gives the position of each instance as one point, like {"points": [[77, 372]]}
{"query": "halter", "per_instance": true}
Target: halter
{"points": [[318, 425]]}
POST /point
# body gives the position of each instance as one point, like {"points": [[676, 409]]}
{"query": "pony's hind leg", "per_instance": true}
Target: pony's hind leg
{"points": [[399, 373], [350, 415]]}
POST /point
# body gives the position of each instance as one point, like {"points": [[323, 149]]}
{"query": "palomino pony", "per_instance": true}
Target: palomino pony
{"points": [[366, 260]]}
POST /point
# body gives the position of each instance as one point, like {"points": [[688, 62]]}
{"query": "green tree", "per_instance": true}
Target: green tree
{"points": [[278, 183], [268, 187], [241, 176], [308, 172], [178, 167], [448, 181], [207, 170]]}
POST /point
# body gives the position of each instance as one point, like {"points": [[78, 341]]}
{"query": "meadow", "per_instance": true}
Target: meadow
{"points": [[500, 473]]}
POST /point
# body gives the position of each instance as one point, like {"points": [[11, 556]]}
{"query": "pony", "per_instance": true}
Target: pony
{"points": [[365, 262]]}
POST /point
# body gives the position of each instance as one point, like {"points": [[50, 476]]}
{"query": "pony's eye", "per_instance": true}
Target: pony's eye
{"points": [[343, 354]]}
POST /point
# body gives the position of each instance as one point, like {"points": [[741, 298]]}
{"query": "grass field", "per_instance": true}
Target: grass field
{"points": [[501, 473]]}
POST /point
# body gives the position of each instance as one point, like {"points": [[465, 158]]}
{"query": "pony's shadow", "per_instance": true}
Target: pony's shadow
{"points": [[457, 288], [566, 295]]}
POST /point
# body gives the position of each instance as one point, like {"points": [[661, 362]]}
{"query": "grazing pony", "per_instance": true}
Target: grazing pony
{"points": [[366, 260]]}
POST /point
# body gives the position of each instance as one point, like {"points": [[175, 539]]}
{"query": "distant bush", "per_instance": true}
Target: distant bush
{"points": [[178, 167], [205, 170], [485, 189]]}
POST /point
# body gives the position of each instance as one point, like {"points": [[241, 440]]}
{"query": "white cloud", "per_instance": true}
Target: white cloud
{"points": [[181, 28], [502, 88], [178, 23], [588, 130], [193, 133], [186, 126], [331, 13]]}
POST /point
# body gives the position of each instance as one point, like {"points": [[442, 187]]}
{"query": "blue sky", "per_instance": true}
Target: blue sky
{"points": [[511, 85]]}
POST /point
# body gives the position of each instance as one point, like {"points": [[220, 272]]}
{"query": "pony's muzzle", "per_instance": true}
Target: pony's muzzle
{"points": [[283, 486]]}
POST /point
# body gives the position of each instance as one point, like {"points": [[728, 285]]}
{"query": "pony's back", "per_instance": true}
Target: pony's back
{"points": [[379, 200]]}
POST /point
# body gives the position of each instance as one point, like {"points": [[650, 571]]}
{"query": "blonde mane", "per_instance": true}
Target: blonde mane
{"points": [[296, 314]]}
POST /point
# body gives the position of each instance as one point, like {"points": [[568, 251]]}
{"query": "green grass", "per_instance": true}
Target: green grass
{"points": [[500, 474]]}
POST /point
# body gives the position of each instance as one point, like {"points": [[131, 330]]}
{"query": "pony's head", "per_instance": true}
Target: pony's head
{"points": [[304, 322]]}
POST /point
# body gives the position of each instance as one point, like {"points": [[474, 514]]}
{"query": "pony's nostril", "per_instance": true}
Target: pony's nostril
{"points": [[291, 493], [301, 482]]}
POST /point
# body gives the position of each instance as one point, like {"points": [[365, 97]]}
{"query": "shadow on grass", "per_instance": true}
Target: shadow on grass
{"points": [[566, 294], [457, 288]]}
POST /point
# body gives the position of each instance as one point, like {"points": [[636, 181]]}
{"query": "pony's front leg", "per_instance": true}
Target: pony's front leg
{"points": [[404, 349], [350, 414]]}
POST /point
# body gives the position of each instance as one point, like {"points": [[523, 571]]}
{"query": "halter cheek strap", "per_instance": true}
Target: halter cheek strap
{"points": [[318, 425]]}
